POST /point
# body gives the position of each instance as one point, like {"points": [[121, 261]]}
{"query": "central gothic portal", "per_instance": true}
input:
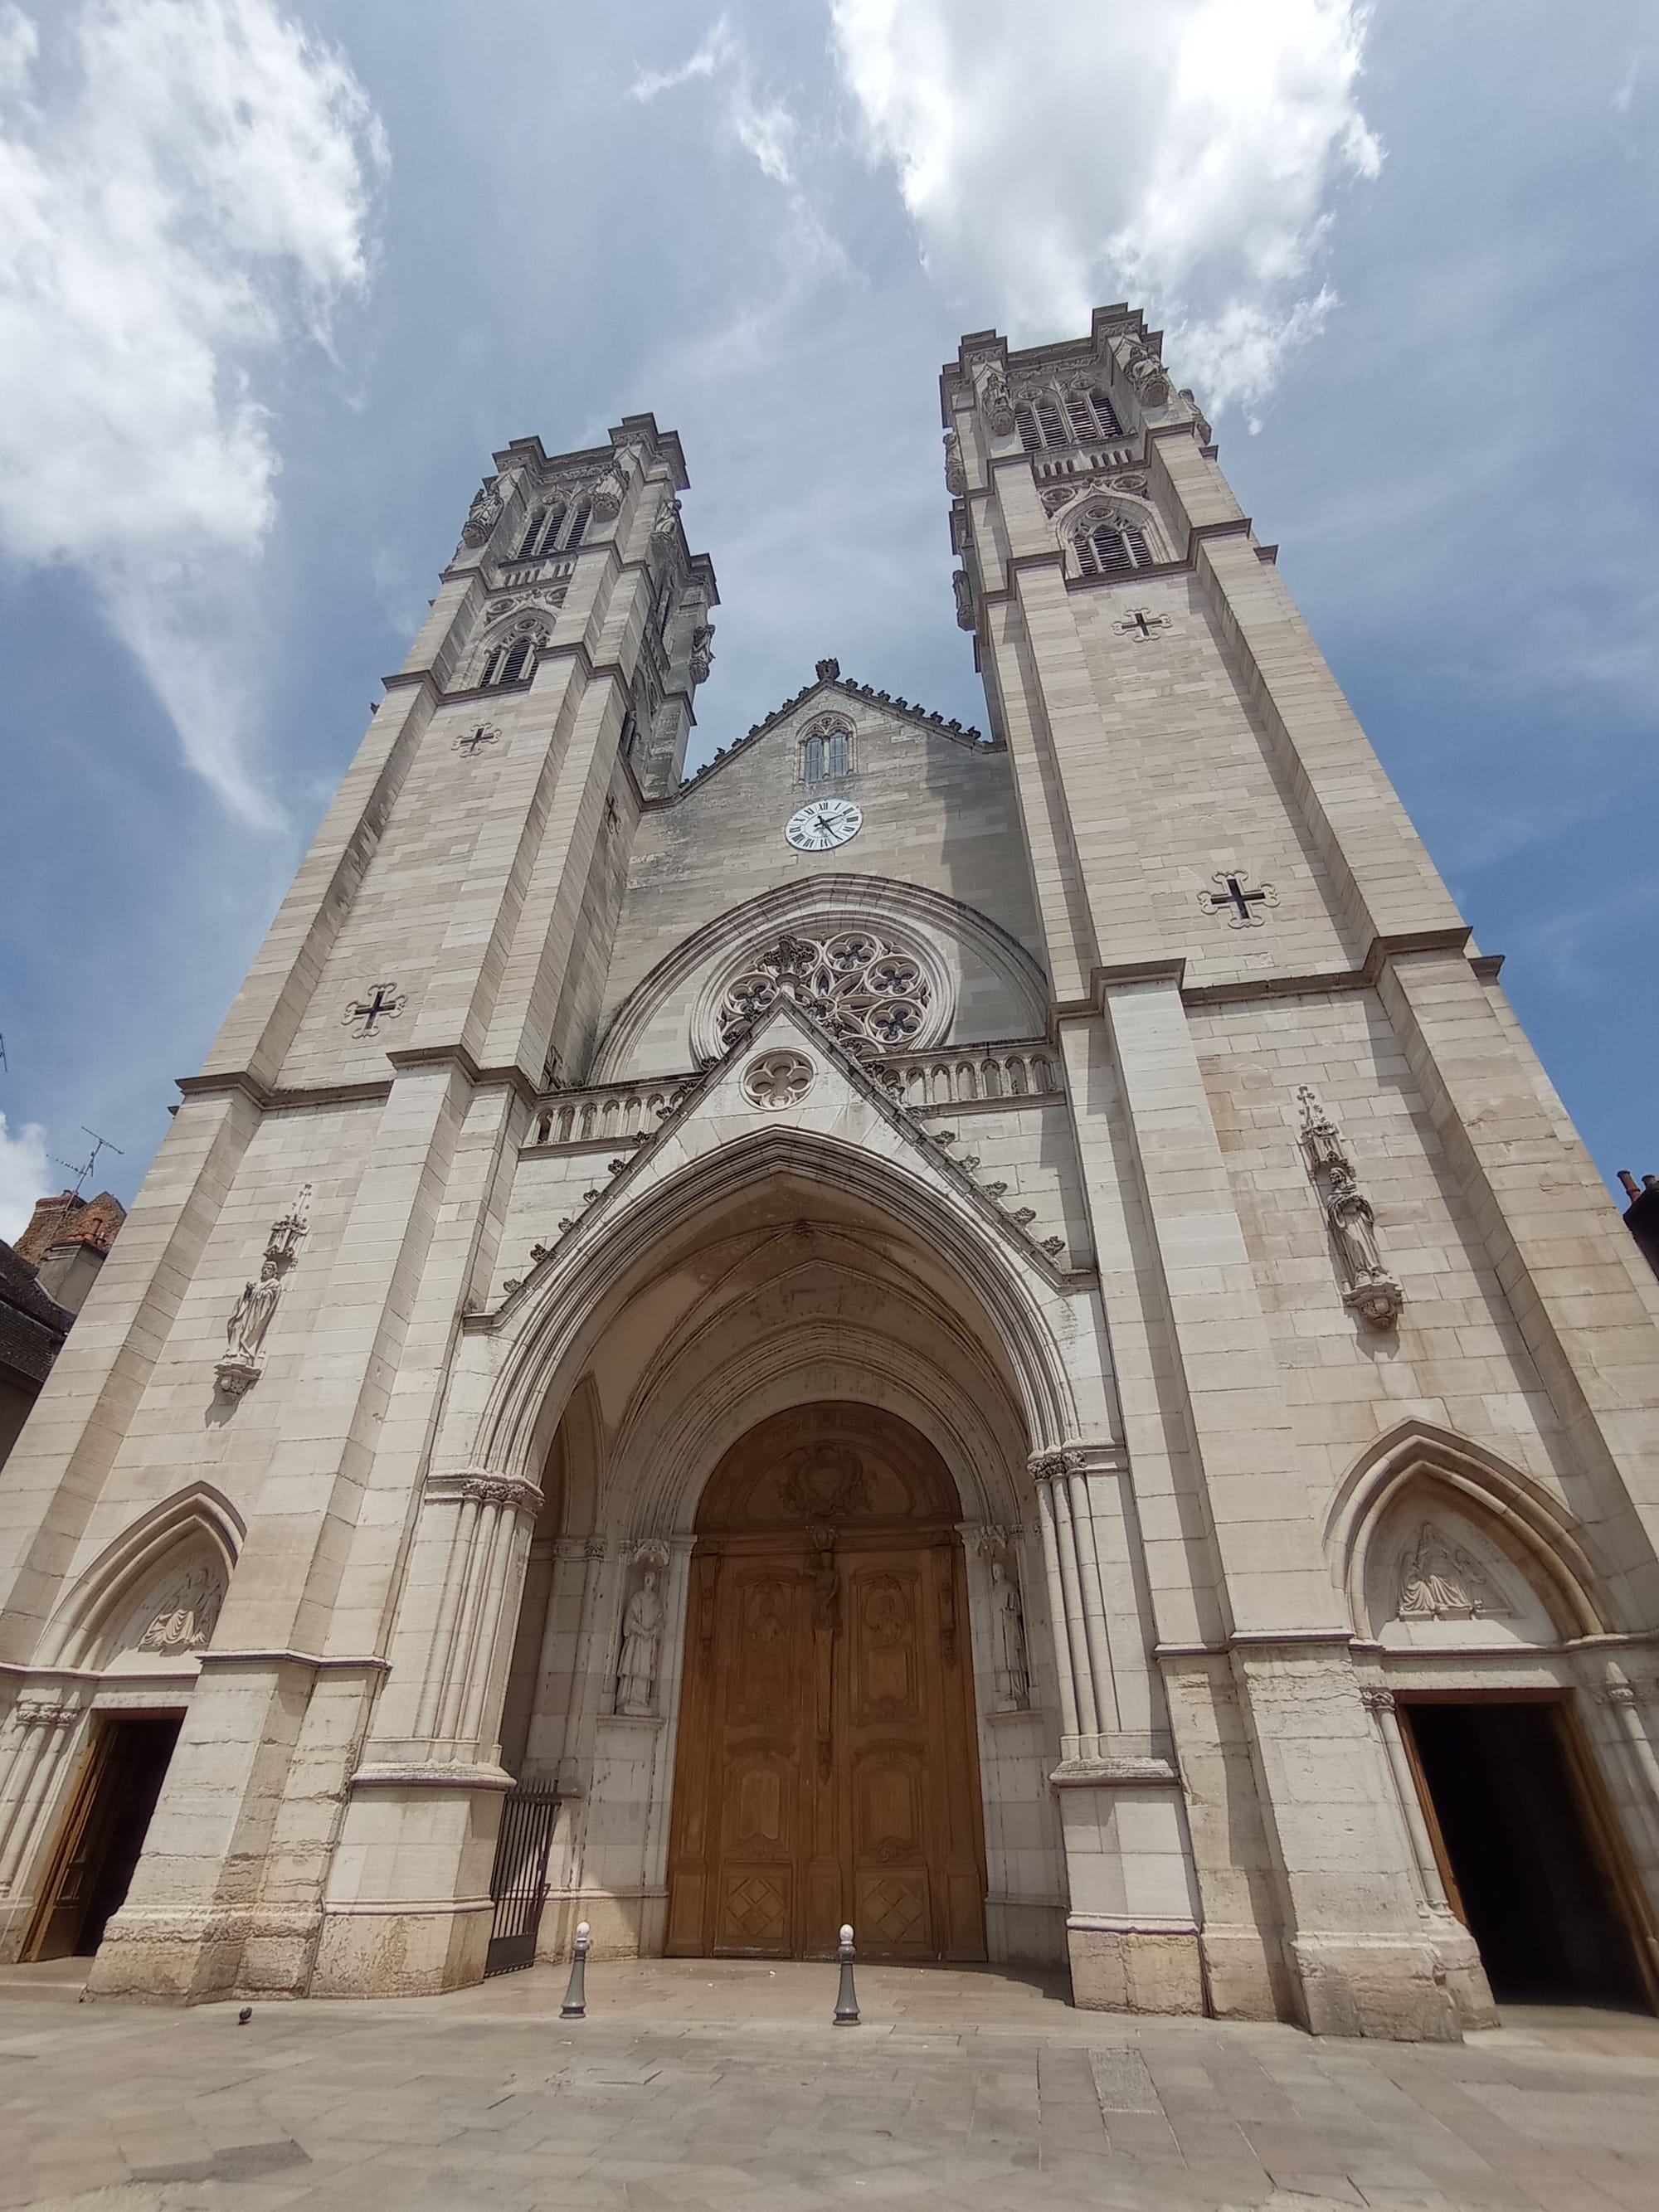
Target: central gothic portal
{"points": [[826, 1768]]}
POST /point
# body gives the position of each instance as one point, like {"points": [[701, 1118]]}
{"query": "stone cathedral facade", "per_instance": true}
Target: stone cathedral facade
{"points": [[996, 1335]]}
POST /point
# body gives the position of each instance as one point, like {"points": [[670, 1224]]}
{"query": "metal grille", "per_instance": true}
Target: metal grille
{"points": [[518, 1881]]}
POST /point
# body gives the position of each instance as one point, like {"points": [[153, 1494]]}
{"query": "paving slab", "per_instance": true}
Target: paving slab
{"points": [[693, 2084]]}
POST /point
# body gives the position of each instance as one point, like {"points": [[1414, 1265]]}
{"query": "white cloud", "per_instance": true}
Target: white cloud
{"points": [[23, 1175], [195, 186], [715, 50], [1184, 156], [763, 127]]}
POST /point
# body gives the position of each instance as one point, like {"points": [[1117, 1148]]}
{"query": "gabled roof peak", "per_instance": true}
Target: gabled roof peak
{"points": [[828, 681]]}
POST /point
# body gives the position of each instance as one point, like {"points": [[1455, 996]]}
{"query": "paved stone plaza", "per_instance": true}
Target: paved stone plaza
{"points": [[700, 2085]]}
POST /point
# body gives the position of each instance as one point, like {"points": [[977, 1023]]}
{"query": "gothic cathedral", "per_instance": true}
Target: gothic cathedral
{"points": [[996, 1336]]}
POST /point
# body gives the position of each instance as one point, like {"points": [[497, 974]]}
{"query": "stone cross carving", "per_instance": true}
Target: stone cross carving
{"points": [[643, 1622], [384, 1004], [251, 1316], [1236, 900], [1371, 1291]]}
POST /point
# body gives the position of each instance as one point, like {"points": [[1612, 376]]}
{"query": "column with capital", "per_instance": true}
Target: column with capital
{"points": [[1454, 1946], [407, 1909], [1132, 1915]]}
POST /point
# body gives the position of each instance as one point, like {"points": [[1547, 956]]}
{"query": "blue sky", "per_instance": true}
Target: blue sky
{"points": [[274, 283]]}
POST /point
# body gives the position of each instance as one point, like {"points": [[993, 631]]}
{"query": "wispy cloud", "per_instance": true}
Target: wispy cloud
{"points": [[1187, 155], [765, 127], [193, 184]]}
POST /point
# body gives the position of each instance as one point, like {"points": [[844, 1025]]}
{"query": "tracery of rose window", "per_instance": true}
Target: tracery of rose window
{"points": [[871, 996]]}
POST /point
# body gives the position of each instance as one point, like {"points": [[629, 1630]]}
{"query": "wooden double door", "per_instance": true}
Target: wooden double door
{"points": [[826, 1768]]}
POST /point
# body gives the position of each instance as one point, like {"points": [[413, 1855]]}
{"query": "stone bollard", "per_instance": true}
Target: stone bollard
{"points": [[847, 2000], [576, 1997]]}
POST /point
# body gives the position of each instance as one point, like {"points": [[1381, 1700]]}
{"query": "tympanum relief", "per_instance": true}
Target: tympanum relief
{"points": [[1434, 1579]]}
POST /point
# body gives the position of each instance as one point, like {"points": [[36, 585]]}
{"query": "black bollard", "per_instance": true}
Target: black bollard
{"points": [[847, 1999], [576, 1997]]}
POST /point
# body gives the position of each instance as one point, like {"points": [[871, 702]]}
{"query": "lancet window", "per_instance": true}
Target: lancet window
{"points": [[509, 662], [826, 752], [1112, 545], [1055, 418], [558, 527], [542, 532]]}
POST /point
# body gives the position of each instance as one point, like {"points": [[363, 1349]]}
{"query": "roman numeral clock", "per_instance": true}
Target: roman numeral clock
{"points": [[822, 824]]}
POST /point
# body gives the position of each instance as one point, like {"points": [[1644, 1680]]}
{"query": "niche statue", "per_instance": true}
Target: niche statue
{"points": [[1012, 1678], [642, 1627]]}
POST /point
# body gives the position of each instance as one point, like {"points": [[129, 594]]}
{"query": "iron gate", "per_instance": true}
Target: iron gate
{"points": [[518, 1881]]}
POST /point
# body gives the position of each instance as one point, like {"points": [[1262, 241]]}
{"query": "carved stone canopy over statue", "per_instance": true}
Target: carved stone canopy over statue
{"points": [[1147, 372], [996, 399], [483, 514], [251, 1316], [609, 493]]}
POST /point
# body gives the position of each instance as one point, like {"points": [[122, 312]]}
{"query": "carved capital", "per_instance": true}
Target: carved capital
{"points": [[1376, 1696], [1614, 1693], [1051, 1466], [470, 1486], [43, 1713]]}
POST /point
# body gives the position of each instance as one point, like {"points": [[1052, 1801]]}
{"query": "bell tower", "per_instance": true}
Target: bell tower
{"points": [[1302, 1112]]}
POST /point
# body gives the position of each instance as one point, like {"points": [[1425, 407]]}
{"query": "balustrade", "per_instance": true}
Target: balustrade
{"points": [[983, 1074]]}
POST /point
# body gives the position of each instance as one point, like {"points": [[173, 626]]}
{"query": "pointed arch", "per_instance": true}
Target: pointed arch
{"points": [[505, 650], [197, 1517], [1509, 1506], [549, 1328], [847, 901], [1113, 533]]}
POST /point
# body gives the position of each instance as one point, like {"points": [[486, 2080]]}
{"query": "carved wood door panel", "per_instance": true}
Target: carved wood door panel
{"points": [[827, 1768]]}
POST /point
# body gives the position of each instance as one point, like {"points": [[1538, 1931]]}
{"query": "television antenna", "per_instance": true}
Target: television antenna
{"points": [[82, 1169]]}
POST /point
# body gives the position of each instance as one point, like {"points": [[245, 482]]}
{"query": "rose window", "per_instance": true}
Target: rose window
{"points": [[873, 997]]}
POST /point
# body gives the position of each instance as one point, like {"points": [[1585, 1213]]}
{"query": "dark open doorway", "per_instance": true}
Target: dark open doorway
{"points": [[1530, 1864], [103, 1834]]}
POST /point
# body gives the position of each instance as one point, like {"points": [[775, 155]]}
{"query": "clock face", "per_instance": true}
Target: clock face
{"points": [[822, 824]]}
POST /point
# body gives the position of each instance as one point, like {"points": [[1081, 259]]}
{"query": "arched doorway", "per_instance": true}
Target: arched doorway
{"points": [[827, 1768]]}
